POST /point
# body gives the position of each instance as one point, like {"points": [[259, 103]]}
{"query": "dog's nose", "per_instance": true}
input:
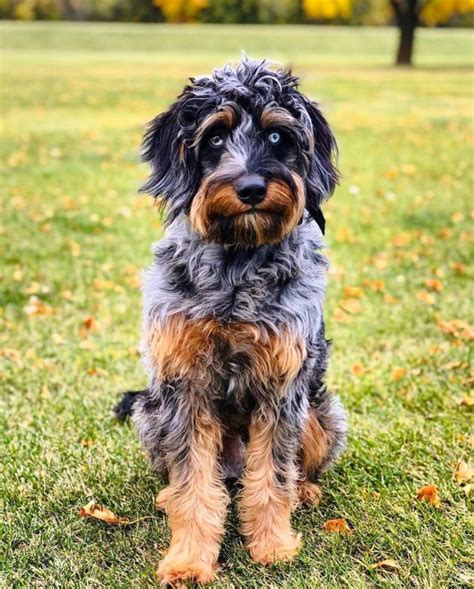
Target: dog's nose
{"points": [[251, 189]]}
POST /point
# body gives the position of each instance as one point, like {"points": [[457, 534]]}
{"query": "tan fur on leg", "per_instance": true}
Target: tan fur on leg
{"points": [[308, 494], [196, 501], [314, 444], [265, 508], [163, 498]]}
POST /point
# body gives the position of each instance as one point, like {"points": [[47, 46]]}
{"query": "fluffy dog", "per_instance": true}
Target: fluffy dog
{"points": [[233, 314]]}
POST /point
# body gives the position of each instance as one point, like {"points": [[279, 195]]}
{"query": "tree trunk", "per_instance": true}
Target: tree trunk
{"points": [[406, 13], [406, 44]]}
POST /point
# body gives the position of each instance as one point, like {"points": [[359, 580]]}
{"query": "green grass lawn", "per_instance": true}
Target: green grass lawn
{"points": [[75, 236]]}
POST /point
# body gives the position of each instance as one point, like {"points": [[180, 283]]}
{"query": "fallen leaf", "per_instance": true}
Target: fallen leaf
{"points": [[353, 291], [358, 369], [425, 297], [11, 354], [98, 511], [457, 328], [75, 249], [88, 324], [401, 239], [398, 373], [389, 565], [452, 365], [391, 173], [18, 275], [375, 285], [345, 235], [429, 493], [434, 284], [337, 525], [36, 307], [459, 268], [446, 233], [467, 400], [87, 345], [351, 305], [389, 299], [340, 316], [463, 473]]}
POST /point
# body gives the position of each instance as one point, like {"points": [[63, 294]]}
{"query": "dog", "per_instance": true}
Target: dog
{"points": [[233, 336]]}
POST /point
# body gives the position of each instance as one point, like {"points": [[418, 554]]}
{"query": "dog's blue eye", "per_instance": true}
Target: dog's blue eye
{"points": [[216, 141], [274, 137]]}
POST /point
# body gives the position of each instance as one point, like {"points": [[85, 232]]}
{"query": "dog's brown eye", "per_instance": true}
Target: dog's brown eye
{"points": [[274, 137], [216, 141]]}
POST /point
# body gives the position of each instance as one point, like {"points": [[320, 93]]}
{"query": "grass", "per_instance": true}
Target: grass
{"points": [[75, 98]]}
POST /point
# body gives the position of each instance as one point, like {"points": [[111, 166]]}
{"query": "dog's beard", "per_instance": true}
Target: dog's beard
{"points": [[218, 215]]}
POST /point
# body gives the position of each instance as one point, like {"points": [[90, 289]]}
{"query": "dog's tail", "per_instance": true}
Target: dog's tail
{"points": [[124, 408]]}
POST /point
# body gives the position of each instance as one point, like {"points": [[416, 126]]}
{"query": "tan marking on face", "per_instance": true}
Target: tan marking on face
{"points": [[264, 507], [196, 502], [224, 116], [277, 117], [214, 200], [184, 348]]}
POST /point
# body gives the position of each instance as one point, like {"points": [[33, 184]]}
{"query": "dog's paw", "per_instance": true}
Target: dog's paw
{"points": [[309, 494], [278, 551], [173, 572], [162, 499]]}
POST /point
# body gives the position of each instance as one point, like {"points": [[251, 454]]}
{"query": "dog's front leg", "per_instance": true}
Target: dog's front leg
{"points": [[196, 497], [269, 487]]}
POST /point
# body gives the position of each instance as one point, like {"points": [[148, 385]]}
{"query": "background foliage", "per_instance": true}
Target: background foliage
{"points": [[367, 12]]}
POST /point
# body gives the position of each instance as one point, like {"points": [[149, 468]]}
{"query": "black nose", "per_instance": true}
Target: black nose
{"points": [[251, 189]]}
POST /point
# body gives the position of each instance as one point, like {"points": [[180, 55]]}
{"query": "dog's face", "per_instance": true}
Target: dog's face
{"points": [[242, 153]]}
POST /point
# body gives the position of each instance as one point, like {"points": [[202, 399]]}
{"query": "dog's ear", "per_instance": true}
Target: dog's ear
{"points": [[174, 170], [323, 174]]}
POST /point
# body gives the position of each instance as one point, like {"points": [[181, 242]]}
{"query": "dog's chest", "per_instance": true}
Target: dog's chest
{"points": [[227, 358]]}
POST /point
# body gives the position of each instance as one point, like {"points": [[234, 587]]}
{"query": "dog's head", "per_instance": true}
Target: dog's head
{"points": [[242, 153]]}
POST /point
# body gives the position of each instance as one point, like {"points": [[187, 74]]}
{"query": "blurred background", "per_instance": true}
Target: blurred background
{"points": [[75, 96], [406, 14]]}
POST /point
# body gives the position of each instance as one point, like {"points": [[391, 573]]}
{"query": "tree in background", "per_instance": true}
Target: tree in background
{"points": [[410, 14]]}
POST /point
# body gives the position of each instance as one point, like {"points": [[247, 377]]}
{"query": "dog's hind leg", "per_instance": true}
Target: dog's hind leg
{"points": [[323, 438]]}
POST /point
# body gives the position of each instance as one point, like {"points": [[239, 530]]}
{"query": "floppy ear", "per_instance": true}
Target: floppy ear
{"points": [[323, 174], [174, 170]]}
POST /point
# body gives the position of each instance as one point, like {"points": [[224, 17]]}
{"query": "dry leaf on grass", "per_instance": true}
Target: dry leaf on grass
{"points": [[463, 472], [398, 373], [98, 511], [434, 284], [429, 493], [388, 565], [337, 525], [358, 369], [457, 328], [351, 305], [467, 400], [36, 307], [425, 297], [340, 316], [353, 292], [87, 325]]}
